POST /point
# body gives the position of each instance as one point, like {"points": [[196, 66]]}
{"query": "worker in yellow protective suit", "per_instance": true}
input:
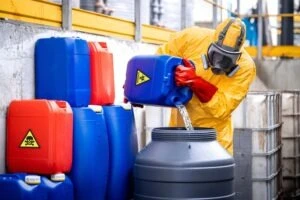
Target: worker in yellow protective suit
{"points": [[219, 76]]}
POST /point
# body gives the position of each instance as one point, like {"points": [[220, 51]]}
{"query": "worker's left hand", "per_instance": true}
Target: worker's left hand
{"points": [[185, 74]]}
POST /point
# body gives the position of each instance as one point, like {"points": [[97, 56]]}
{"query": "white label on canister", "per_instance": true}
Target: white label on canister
{"points": [[58, 177], [96, 108], [32, 179]]}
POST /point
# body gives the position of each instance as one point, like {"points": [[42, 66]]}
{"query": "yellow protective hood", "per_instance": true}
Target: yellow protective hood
{"points": [[230, 34]]}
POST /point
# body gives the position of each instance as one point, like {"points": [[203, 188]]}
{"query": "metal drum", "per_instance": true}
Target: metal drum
{"points": [[290, 140], [257, 146]]}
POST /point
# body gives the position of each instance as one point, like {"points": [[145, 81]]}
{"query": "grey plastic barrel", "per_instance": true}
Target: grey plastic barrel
{"points": [[182, 164]]}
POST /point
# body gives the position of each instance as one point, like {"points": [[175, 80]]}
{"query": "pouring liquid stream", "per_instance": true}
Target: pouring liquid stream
{"points": [[185, 117]]}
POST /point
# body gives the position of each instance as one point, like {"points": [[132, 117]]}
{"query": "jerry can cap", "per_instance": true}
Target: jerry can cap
{"points": [[61, 104], [126, 106], [33, 179], [96, 108], [58, 177]]}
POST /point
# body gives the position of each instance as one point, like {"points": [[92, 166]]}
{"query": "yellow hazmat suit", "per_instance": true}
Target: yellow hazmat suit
{"points": [[193, 42]]}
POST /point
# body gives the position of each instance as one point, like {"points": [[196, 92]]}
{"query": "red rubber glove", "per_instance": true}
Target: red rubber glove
{"points": [[185, 75]]}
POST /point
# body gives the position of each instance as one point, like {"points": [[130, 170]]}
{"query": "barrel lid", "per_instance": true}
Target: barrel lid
{"points": [[33, 179], [96, 108], [181, 134], [58, 177]]}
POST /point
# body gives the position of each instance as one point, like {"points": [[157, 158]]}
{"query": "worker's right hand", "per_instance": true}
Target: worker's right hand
{"points": [[185, 74]]}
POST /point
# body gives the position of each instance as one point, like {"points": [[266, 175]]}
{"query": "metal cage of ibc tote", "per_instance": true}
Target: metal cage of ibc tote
{"points": [[257, 146]]}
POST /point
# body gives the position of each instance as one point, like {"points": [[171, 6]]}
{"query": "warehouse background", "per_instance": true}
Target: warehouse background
{"points": [[17, 56]]}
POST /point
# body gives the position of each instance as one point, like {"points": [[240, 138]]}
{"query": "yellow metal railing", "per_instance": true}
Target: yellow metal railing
{"points": [[50, 14], [276, 51], [33, 11], [95, 23]]}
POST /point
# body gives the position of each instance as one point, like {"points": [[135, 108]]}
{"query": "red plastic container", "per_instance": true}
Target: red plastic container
{"points": [[102, 74], [39, 136]]}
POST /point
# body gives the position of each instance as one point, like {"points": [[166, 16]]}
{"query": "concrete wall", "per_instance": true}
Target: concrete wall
{"points": [[279, 74], [17, 64]]}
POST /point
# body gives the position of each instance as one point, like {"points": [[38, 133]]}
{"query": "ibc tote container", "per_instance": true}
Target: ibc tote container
{"points": [[62, 70], [257, 146], [291, 143], [39, 136]]}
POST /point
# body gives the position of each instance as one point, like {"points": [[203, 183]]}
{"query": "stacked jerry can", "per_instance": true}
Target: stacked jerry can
{"points": [[38, 141], [80, 73], [22, 186]]}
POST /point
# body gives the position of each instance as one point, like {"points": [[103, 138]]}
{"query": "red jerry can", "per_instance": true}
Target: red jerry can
{"points": [[39, 136], [102, 74]]}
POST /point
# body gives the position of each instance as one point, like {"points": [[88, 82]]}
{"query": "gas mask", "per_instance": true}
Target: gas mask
{"points": [[222, 55], [221, 61]]}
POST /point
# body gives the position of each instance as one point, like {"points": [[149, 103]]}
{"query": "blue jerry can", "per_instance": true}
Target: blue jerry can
{"points": [[122, 150], [150, 80], [89, 171], [21, 187], [62, 70], [59, 187]]}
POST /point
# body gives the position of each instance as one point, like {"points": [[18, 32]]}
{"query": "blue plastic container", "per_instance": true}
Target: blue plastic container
{"points": [[150, 80], [89, 171], [14, 187], [62, 70], [58, 189], [122, 149], [21, 186]]}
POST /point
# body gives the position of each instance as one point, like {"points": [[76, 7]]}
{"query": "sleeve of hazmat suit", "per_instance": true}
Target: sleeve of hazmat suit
{"points": [[231, 91]]}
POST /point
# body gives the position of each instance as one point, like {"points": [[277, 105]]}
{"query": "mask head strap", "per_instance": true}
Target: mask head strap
{"points": [[239, 41]]}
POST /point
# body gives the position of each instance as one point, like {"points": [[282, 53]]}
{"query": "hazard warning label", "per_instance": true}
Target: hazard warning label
{"points": [[29, 141], [141, 78]]}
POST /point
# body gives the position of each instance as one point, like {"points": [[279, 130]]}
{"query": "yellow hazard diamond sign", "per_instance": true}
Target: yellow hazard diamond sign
{"points": [[141, 78], [29, 141]]}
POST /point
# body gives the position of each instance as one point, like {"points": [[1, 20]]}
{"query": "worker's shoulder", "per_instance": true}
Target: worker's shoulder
{"points": [[247, 64], [246, 59]]}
